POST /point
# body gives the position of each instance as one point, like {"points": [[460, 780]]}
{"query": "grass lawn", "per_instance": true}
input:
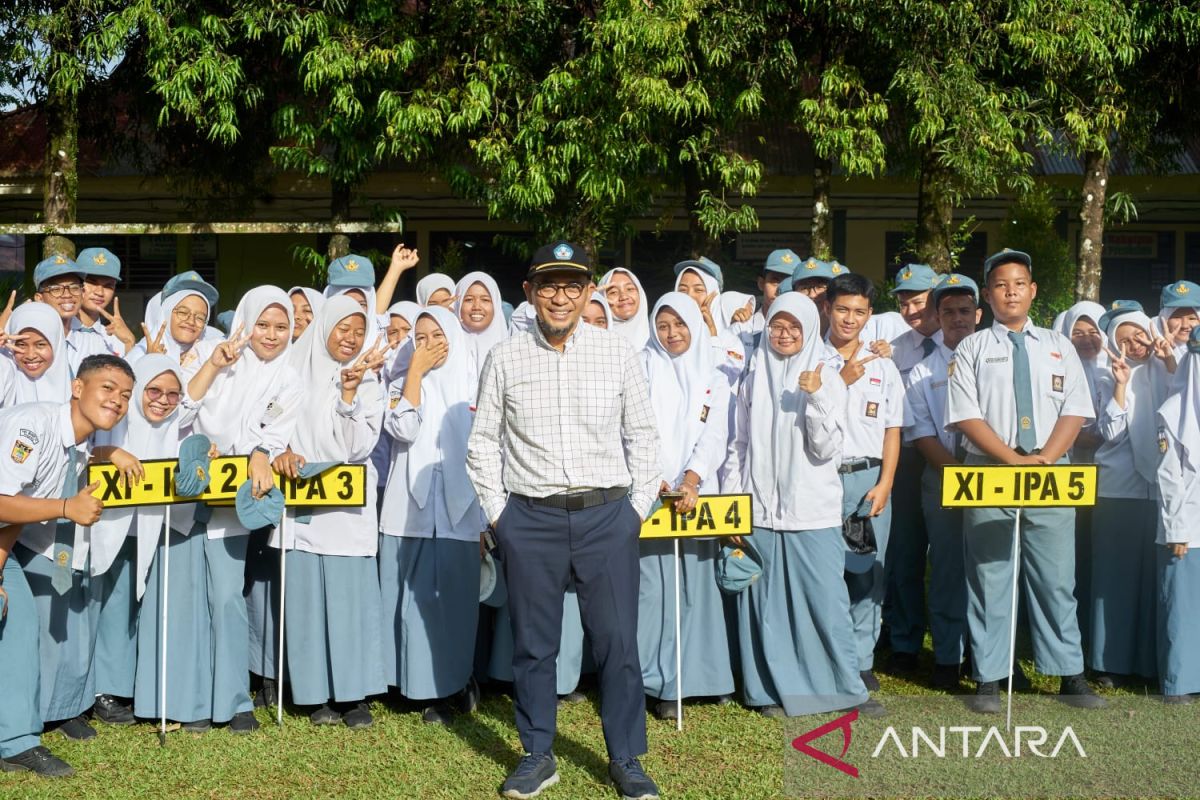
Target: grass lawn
{"points": [[724, 752]]}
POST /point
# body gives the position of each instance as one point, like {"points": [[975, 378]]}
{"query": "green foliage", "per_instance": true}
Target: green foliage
{"points": [[1031, 226]]}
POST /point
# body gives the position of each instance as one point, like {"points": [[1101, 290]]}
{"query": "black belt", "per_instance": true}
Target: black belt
{"points": [[858, 465], [1037, 451], [578, 501]]}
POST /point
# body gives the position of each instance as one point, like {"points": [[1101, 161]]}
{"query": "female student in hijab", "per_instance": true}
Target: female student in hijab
{"points": [[1123, 579], [334, 657], [429, 551], [690, 397], [478, 309], [401, 317], [306, 304], [185, 316], [630, 308], [702, 286], [435, 289], [1179, 313], [249, 397], [123, 542], [33, 366], [597, 312], [1177, 562], [798, 652]]}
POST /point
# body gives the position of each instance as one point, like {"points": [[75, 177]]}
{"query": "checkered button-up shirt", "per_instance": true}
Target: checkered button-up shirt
{"points": [[548, 422]]}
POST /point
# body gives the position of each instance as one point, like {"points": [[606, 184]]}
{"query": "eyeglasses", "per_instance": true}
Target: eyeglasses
{"points": [[775, 330], [547, 291], [63, 289], [171, 398], [183, 315]]}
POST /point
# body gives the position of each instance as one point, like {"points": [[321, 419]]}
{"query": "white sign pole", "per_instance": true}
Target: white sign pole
{"points": [[282, 601], [1012, 633], [678, 648], [166, 596]]}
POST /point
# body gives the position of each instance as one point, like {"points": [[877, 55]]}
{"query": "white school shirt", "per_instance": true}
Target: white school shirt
{"points": [[81, 344], [1117, 475], [925, 400], [874, 403], [981, 383], [824, 420], [908, 350], [39, 438], [1179, 487], [400, 514], [114, 345]]}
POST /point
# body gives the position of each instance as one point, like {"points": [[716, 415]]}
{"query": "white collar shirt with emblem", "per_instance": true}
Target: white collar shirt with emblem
{"points": [[81, 344], [548, 422], [874, 403], [40, 438], [925, 400], [981, 383]]}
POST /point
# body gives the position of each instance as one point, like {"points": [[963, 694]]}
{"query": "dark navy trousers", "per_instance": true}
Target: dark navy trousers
{"points": [[541, 549]]}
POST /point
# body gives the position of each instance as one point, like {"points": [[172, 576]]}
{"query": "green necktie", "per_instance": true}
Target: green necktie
{"points": [[1023, 390], [64, 533]]}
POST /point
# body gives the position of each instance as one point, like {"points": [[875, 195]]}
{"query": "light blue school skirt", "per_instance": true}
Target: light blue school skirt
{"points": [[334, 622], [66, 638], [1124, 587], [705, 656], [1178, 612], [189, 636], [797, 643], [430, 590], [20, 717], [114, 595]]}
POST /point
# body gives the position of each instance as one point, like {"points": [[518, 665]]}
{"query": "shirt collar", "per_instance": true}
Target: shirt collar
{"points": [[66, 430], [1001, 331]]}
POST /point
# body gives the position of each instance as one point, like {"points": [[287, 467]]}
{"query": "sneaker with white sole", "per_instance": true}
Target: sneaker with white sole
{"points": [[534, 772]]}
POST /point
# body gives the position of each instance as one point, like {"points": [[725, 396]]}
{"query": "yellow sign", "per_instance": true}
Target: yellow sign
{"points": [[158, 487], [714, 515], [344, 485], [1018, 486]]}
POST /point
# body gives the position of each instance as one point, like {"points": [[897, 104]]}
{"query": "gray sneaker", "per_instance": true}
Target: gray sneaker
{"points": [[534, 772], [631, 780]]}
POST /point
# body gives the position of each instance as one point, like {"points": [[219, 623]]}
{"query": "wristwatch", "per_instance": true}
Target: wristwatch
{"points": [[263, 450]]}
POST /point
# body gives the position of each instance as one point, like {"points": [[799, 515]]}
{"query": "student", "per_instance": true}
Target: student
{"points": [[185, 314], [478, 310], [59, 282], [778, 266], [33, 367], [904, 609], [429, 550], [1123, 577], [796, 638], [955, 304], [597, 313], [1178, 569], [334, 630], [811, 278], [701, 280], [1019, 395], [306, 304], [354, 276], [629, 304], [690, 397], [1177, 316], [401, 318], [870, 451], [101, 272], [248, 395], [40, 481], [435, 289], [124, 540]]}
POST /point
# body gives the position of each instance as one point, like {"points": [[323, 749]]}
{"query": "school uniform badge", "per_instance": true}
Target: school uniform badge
{"points": [[1162, 441], [30, 436], [21, 451], [950, 370], [1056, 382], [704, 414], [393, 401], [872, 409]]}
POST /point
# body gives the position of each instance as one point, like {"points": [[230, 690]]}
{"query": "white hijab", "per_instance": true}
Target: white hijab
{"points": [[234, 404], [1180, 412], [1091, 312], [315, 299], [599, 299], [1160, 325], [680, 386], [165, 310], [636, 329], [1143, 396], [710, 286], [777, 406], [431, 283], [480, 344], [447, 395], [153, 316], [147, 440], [54, 385], [732, 302]]}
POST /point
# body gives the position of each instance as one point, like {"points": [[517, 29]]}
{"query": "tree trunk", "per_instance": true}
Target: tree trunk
{"points": [[1091, 214], [935, 217], [339, 207], [822, 215], [61, 184]]}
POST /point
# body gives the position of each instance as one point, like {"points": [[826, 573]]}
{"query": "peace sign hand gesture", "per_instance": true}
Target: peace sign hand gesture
{"points": [[1120, 367], [856, 368], [227, 353], [352, 376], [706, 312], [154, 344], [116, 325]]}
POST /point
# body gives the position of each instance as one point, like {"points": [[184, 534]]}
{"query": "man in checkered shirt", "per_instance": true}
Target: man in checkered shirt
{"points": [[564, 458]]}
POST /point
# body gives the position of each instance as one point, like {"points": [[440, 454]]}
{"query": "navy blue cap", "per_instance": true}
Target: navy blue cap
{"points": [[560, 257], [1006, 256], [54, 267], [916, 278], [100, 262], [1118, 308], [703, 264]]}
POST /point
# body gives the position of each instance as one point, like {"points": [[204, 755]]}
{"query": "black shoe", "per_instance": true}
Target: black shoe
{"points": [[267, 696], [77, 729], [467, 700], [570, 698], [197, 726], [1177, 699], [534, 772], [724, 700], [439, 713], [1109, 680], [945, 677], [112, 711], [358, 717], [987, 698], [665, 709], [1074, 691], [869, 680], [902, 663], [631, 780], [871, 708], [39, 761], [774, 712], [325, 716], [1020, 679], [243, 722]]}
